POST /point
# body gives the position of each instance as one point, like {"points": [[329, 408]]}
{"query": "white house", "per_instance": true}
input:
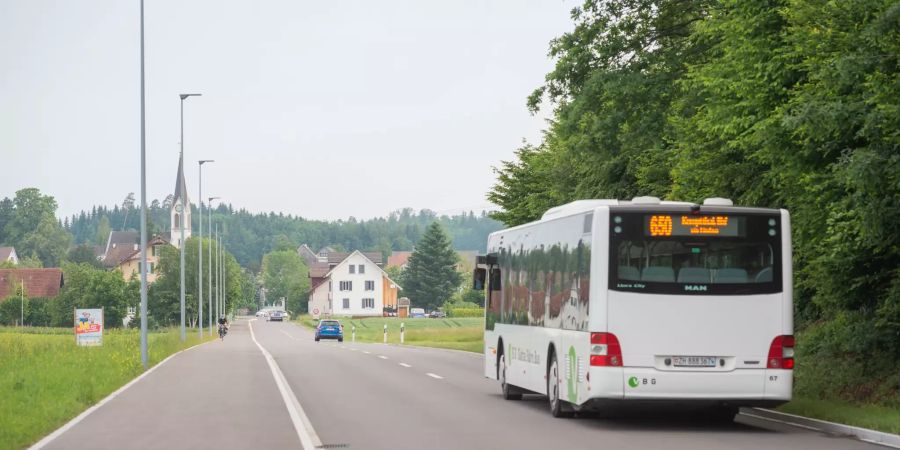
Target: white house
{"points": [[354, 287]]}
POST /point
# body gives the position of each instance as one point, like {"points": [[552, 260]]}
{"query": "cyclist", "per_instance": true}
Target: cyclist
{"points": [[223, 327]]}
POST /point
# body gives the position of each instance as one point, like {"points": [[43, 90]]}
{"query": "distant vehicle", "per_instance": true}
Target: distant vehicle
{"points": [[664, 302], [437, 314], [275, 316], [261, 313], [330, 329], [417, 313]]}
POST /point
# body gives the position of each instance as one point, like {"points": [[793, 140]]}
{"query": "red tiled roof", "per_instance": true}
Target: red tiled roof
{"points": [[398, 259], [318, 269], [38, 282]]}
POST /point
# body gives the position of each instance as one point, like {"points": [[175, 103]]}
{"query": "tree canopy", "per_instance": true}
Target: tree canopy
{"points": [[430, 277]]}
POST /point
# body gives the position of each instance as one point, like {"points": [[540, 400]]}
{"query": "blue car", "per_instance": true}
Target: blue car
{"points": [[330, 329]]}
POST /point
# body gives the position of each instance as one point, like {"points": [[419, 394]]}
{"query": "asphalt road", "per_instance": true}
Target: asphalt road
{"points": [[374, 396]]}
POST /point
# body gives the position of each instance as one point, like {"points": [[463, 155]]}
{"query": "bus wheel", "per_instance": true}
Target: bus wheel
{"points": [[558, 406], [509, 392]]}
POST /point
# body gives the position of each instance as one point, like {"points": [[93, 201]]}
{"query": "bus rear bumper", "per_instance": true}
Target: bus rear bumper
{"points": [[741, 387]]}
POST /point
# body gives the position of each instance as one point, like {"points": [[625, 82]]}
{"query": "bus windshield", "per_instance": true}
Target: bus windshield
{"points": [[675, 254]]}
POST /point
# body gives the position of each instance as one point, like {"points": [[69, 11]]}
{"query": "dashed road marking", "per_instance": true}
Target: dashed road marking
{"points": [[405, 365], [288, 334], [367, 352], [434, 376], [382, 357]]}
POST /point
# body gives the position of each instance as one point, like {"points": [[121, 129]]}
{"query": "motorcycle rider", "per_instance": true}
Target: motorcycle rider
{"points": [[223, 326]]}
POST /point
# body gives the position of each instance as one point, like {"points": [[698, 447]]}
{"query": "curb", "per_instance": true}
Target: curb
{"points": [[862, 434], [59, 431]]}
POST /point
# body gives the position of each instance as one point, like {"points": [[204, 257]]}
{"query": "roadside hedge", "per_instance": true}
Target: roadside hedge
{"points": [[465, 312]]}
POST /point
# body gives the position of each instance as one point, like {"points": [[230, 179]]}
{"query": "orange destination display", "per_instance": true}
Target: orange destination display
{"points": [[664, 225]]}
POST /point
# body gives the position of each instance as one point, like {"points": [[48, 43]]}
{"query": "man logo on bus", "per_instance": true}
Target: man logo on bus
{"points": [[633, 382], [695, 287]]}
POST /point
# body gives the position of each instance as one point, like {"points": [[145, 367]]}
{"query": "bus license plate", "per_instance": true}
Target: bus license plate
{"points": [[694, 361]]}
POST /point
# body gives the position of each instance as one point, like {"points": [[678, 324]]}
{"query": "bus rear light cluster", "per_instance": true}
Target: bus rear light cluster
{"points": [[605, 350], [781, 353]]}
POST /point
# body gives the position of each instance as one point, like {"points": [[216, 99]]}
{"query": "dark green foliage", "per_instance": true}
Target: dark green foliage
{"points": [[779, 103], [83, 254], [285, 275], [249, 236], [89, 287], [30, 225], [430, 277]]}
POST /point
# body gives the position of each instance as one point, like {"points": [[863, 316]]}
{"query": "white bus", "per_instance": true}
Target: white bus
{"points": [[604, 304]]}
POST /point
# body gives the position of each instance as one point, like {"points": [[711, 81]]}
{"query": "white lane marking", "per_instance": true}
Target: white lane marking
{"points": [[405, 365], [288, 334], [367, 352], [382, 357], [308, 437], [354, 349], [434, 376], [59, 431]]}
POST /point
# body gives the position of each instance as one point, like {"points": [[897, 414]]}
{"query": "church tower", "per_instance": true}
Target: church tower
{"points": [[180, 213]]}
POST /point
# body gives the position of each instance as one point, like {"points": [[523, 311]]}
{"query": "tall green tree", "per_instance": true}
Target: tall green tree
{"points": [[89, 287], [83, 254], [430, 277], [285, 275], [103, 230]]}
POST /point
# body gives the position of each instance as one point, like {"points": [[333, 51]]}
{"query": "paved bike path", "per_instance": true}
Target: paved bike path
{"points": [[219, 395]]}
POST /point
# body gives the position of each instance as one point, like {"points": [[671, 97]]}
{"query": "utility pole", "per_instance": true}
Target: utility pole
{"points": [[144, 355]]}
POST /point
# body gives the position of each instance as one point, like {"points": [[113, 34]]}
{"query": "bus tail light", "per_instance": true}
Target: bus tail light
{"points": [[605, 350], [781, 353]]}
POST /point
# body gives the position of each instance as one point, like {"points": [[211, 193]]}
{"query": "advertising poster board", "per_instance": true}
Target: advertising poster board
{"points": [[89, 327]]}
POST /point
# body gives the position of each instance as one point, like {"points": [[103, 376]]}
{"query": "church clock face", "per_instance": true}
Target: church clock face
{"points": [[178, 208]]}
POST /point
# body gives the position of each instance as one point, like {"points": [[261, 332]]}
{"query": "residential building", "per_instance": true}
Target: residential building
{"points": [[353, 285], [130, 263], [37, 282], [399, 259], [8, 254]]}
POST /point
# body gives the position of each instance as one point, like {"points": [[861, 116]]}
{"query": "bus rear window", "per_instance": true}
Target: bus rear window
{"points": [[733, 255]]}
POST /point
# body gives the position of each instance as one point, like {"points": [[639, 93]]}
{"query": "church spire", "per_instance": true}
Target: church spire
{"points": [[180, 185]]}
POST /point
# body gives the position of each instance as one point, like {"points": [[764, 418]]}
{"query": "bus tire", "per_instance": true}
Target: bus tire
{"points": [[558, 406], [509, 392], [721, 414]]}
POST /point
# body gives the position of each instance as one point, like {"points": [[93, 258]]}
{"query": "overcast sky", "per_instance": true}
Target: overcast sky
{"points": [[324, 109]]}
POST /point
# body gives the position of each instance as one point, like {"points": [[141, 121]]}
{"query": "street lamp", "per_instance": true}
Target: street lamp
{"points": [[209, 294], [218, 270], [180, 210], [144, 355], [200, 249]]}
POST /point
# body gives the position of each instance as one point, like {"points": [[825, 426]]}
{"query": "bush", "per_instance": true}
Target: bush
{"points": [[465, 312]]}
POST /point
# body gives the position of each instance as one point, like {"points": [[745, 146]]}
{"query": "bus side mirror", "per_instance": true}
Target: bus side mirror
{"points": [[478, 278]]}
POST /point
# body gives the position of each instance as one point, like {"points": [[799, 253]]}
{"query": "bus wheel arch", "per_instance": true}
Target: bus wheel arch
{"points": [[508, 391], [558, 406]]}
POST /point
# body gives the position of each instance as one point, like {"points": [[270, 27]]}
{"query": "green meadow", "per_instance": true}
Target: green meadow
{"points": [[46, 380], [453, 333]]}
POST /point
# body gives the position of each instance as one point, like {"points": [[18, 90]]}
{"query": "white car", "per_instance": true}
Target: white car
{"points": [[261, 313]]}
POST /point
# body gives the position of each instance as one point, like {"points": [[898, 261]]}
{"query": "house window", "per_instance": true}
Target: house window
{"points": [[370, 285], [362, 268], [352, 268], [346, 303], [368, 303], [346, 285]]}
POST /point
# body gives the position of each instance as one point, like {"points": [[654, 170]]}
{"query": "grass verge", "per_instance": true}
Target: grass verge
{"points": [[45, 380], [454, 333], [873, 417]]}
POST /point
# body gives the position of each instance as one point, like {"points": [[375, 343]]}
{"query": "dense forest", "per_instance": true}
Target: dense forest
{"points": [[249, 236], [776, 103]]}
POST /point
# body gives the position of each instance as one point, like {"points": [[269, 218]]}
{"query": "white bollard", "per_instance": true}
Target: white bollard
{"points": [[385, 333], [402, 332], [354, 333]]}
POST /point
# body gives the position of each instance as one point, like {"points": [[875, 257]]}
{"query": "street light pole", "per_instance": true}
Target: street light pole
{"points": [[209, 277], [218, 255], [181, 213], [144, 355], [200, 249]]}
